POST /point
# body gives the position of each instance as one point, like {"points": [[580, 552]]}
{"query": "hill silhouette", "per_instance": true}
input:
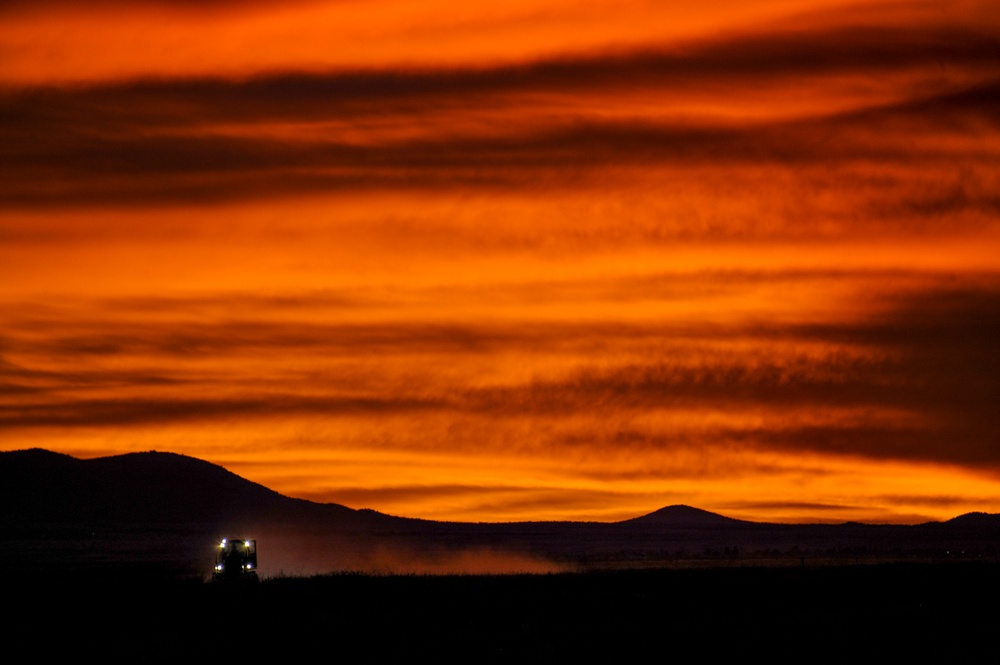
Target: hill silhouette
{"points": [[681, 515], [142, 488], [165, 512]]}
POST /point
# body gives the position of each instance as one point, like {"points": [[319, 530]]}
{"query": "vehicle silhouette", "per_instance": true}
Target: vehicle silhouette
{"points": [[236, 561]]}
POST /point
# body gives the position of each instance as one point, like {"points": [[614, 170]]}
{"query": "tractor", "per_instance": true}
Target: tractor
{"points": [[236, 561]]}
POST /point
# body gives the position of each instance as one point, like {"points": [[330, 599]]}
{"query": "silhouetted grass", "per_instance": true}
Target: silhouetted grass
{"points": [[810, 614]]}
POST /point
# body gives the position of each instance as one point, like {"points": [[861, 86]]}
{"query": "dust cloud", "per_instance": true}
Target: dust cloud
{"points": [[287, 555]]}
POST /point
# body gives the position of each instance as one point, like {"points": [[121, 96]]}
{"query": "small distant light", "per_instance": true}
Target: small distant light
{"points": [[247, 543]]}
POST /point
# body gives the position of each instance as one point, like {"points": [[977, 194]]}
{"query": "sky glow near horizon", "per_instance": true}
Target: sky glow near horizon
{"points": [[543, 260]]}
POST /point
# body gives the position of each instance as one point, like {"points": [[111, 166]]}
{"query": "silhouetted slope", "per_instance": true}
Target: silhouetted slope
{"points": [[976, 521], [38, 486], [684, 516]]}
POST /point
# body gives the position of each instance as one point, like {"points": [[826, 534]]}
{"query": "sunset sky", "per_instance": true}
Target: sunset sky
{"points": [[557, 259]]}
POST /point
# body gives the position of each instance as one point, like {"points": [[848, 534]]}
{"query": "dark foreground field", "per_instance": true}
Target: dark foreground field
{"points": [[787, 614]]}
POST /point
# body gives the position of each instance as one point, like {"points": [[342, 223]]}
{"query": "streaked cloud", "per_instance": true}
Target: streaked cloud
{"points": [[884, 103]]}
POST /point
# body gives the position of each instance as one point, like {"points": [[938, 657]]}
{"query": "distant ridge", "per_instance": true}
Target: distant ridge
{"points": [[976, 519], [40, 486], [686, 516], [37, 484]]}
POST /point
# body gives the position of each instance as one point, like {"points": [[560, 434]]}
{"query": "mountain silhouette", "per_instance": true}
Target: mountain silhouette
{"points": [[141, 488], [976, 520], [681, 515], [167, 512]]}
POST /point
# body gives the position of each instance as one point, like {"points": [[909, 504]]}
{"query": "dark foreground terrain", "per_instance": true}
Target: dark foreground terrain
{"points": [[784, 614]]}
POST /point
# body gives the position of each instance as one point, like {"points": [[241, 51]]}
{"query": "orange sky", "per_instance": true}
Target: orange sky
{"points": [[543, 260]]}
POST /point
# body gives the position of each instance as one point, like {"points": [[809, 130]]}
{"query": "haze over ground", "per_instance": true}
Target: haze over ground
{"points": [[552, 260]]}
